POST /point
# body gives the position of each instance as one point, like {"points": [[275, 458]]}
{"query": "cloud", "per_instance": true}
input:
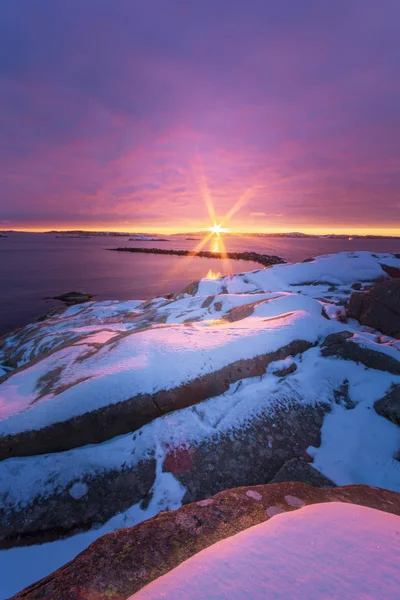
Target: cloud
{"points": [[107, 107]]}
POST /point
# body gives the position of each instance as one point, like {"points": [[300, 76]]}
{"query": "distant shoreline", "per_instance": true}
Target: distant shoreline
{"points": [[263, 259]]}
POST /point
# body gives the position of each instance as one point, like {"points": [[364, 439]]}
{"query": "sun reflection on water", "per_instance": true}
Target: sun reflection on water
{"points": [[213, 275], [216, 244]]}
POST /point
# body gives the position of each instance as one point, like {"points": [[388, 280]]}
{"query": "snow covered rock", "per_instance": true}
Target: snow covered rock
{"points": [[204, 454], [325, 550], [223, 383], [124, 398], [128, 559], [341, 346]]}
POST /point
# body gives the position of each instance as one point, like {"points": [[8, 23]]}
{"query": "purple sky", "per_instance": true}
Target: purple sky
{"points": [[129, 113]]}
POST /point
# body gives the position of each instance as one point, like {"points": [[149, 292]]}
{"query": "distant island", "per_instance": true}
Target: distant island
{"points": [[196, 235]]}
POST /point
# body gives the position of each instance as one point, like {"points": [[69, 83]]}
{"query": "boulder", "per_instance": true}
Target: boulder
{"points": [[389, 406], [340, 345], [121, 563], [378, 308], [391, 271], [298, 469]]}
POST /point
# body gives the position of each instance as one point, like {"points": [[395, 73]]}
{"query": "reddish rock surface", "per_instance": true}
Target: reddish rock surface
{"points": [[378, 308], [120, 563]]}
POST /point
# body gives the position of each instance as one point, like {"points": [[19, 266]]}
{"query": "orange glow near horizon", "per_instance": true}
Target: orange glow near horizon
{"points": [[197, 227]]}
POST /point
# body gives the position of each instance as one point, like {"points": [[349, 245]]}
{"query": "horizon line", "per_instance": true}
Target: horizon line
{"points": [[357, 232]]}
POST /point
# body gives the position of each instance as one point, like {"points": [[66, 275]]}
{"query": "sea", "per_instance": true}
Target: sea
{"points": [[35, 267]]}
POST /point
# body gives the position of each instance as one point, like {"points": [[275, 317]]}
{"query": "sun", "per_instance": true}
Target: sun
{"points": [[217, 229]]}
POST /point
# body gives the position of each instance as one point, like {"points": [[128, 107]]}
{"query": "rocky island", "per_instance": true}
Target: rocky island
{"points": [[263, 259], [228, 403]]}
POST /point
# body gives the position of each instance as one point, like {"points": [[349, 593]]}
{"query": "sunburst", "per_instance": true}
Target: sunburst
{"points": [[218, 229]]}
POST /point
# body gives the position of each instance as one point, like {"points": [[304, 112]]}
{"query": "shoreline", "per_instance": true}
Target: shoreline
{"points": [[263, 259]]}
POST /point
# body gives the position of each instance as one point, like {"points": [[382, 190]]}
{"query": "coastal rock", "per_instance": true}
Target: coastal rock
{"points": [[298, 469], [389, 406], [127, 416], [84, 503], [391, 270], [71, 298], [248, 454], [378, 308], [286, 370], [189, 374], [349, 350], [121, 563], [252, 454]]}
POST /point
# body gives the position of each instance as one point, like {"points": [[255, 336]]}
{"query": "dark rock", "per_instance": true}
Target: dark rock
{"points": [[391, 271], [119, 564], [246, 455], [337, 338], [378, 308], [299, 469], [357, 286], [64, 513], [250, 455], [264, 259], [372, 359], [325, 314], [74, 298], [341, 396], [389, 406], [123, 417], [286, 371]]}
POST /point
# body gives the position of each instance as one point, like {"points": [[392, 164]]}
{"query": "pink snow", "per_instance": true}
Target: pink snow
{"points": [[319, 552]]}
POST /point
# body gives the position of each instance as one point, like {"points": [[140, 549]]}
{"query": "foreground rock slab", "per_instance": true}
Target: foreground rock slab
{"points": [[330, 546], [119, 564]]}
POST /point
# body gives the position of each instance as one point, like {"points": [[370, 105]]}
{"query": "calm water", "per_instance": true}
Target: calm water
{"points": [[36, 266]]}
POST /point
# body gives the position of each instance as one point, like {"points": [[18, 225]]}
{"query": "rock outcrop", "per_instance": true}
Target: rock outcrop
{"points": [[123, 417], [250, 454], [71, 298], [341, 346], [389, 406], [121, 563], [378, 308], [111, 412], [298, 469]]}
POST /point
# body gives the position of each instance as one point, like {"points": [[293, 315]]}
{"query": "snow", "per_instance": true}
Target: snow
{"points": [[253, 494], [104, 352], [150, 361], [322, 551], [78, 490], [359, 446]]}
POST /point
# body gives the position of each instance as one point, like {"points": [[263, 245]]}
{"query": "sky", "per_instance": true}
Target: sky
{"points": [[163, 115]]}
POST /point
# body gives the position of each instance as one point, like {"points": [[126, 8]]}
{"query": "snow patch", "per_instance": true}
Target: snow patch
{"points": [[253, 494], [329, 550], [78, 490]]}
